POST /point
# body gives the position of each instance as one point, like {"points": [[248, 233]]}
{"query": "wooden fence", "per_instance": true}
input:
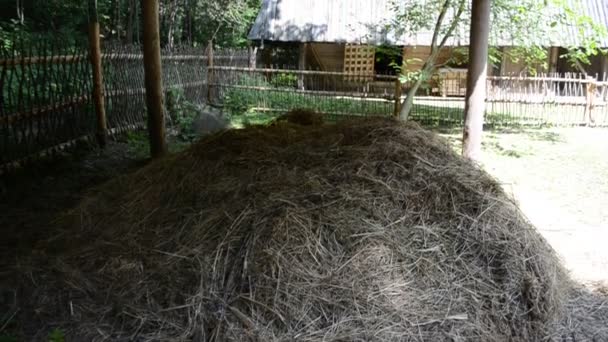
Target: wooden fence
{"points": [[546, 99], [46, 94]]}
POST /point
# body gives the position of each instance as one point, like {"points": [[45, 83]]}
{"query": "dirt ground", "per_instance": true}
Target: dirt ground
{"points": [[30, 198], [560, 178]]}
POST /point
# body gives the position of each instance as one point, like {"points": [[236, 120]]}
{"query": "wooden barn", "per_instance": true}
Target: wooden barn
{"points": [[350, 36]]}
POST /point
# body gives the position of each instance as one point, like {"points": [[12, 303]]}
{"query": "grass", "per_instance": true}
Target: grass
{"points": [[252, 106]]}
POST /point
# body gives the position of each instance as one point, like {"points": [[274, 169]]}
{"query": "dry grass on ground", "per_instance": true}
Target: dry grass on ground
{"points": [[369, 230]]}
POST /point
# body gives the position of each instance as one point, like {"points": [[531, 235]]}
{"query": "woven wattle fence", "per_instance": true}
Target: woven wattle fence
{"points": [[46, 92]]}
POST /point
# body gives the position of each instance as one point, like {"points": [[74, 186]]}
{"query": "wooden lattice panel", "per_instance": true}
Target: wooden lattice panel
{"points": [[359, 61]]}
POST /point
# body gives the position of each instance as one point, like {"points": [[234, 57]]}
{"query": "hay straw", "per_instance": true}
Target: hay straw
{"points": [[370, 230]]}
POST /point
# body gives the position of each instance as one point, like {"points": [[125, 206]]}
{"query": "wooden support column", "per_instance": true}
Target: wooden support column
{"points": [[253, 56], [604, 68], [589, 99], [95, 57], [302, 64], [209, 72], [475, 100], [153, 78], [553, 59], [398, 89]]}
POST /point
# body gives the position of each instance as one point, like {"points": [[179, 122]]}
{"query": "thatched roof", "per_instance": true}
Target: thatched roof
{"points": [[364, 21]]}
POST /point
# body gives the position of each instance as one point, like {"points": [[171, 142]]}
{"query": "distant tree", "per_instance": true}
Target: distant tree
{"points": [[194, 22], [525, 23]]}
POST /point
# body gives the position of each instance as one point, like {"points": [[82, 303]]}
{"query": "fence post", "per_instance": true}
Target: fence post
{"points": [[209, 70], [153, 78], [95, 58], [589, 97], [397, 97], [253, 51], [302, 64]]}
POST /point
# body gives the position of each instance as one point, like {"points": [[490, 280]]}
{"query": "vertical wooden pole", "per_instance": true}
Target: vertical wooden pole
{"points": [[209, 71], [253, 52], [302, 64], [553, 59], [397, 109], [95, 56], [476, 79], [589, 97], [153, 78], [603, 68]]}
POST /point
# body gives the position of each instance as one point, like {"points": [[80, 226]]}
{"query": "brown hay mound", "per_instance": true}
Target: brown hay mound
{"points": [[302, 117], [369, 230]]}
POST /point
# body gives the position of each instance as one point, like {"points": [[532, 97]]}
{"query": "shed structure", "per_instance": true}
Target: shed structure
{"points": [[344, 36]]}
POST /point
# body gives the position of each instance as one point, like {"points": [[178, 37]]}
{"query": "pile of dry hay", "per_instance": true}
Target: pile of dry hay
{"points": [[364, 230]]}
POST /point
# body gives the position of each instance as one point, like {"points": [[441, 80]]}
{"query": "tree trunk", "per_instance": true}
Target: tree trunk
{"points": [[171, 25], [116, 19], [476, 79], [137, 24], [436, 46], [187, 25], [130, 21], [153, 78], [20, 14], [408, 103]]}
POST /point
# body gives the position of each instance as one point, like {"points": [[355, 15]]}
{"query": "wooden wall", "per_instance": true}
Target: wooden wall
{"points": [[421, 53], [327, 57]]}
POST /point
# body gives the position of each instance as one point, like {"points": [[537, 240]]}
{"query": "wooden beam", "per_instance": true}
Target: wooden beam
{"points": [[476, 79], [302, 64], [209, 71], [95, 56], [153, 78]]}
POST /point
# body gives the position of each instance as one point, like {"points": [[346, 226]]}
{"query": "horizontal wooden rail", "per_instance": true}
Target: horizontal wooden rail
{"points": [[107, 56], [39, 111], [348, 94], [43, 60], [15, 164], [541, 79], [138, 56], [299, 72]]}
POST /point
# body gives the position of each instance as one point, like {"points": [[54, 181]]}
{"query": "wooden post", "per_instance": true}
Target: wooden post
{"points": [[302, 64], [553, 59], [604, 68], [476, 79], [153, 78], [209, 71], [398, 89], [95, 56], [253, 51], [589, 97]]}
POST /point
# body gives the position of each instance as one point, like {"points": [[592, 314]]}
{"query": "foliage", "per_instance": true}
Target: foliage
{"points": [[56, 335], [514, 21], [8, 338], [284, 80], [182, 21], [182, 113]]}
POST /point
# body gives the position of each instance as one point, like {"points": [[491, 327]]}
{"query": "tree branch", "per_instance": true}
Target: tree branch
{"points": [[454, 24], [442, 14]]}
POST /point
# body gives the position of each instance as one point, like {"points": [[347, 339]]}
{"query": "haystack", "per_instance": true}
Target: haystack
{"points": [[370, 230]]}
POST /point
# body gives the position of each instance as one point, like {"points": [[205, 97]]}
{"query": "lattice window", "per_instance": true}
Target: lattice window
{"points": [[359, 62]]}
